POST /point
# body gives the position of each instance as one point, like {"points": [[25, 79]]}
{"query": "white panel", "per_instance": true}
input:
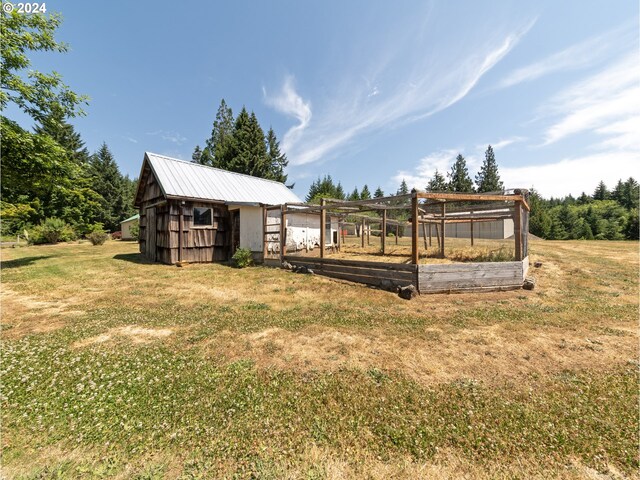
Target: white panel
{"points": [[251, 228]]}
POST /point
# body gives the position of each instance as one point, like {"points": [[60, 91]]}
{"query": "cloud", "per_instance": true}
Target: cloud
{"points": [[430, 81], [500, 144], [581, 55], [572, 175], [609, 97], [288, 102], [169, 136], [130, 139]]}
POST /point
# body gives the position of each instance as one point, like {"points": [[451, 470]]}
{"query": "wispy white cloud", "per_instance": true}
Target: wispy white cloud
{"points": [[432, 83], [500, 144], [130, 139], [584, 54], [609, 97], [288, 102], [169, 136]]}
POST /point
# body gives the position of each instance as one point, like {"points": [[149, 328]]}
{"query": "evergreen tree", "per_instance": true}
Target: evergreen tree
{"points": [[488, 179], [365, 194], [196, 155], [277, 161], [630, 193], [323, 188], [583, 199], [378, 193], [437, 183], [581, 230], [55, 125], [218, 146], [618, 192], [339, 192], [248, 152], [354, 195], [632, 230], [539, 219], [601, 192], [403, 190], [108, 182], [459, 180]]}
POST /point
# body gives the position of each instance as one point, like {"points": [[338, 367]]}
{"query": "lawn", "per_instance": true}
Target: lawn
{"points": [[115, 367]]}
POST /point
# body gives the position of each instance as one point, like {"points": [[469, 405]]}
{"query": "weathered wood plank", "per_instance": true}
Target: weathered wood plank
{"points": [[468, 267], [353, 263]]}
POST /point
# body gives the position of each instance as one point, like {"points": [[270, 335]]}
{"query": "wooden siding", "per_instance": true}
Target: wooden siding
{"points": [[458, 277]]}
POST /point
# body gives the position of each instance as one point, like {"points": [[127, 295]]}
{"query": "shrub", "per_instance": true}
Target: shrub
{"points": [[51, 230], [98, 237], [134, 230], [116, 235], [242, 258]]}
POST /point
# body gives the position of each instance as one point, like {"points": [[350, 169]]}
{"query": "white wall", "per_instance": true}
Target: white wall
{"points": [[303, 231], [125, 227], [251, 228]]}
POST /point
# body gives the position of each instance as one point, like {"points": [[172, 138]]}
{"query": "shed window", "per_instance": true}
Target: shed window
{"points": [[202, 217]]}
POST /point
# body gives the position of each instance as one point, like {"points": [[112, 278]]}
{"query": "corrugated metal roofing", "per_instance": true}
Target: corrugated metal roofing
{"points": [[178, 178], [135, 217]]}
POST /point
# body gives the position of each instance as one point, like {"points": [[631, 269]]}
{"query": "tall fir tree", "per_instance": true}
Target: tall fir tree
{"points": [[488, 178], [459, 179], [365, 194], [277, 160], [601, 192], [438, 183], [218, 146], [196, 155], [323, 188], [379, 193], [339, 192], [55, 125], [108, 182], [355, 195], [404, 189]]}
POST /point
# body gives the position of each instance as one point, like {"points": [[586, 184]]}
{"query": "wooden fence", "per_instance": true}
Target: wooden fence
{"points": [[437, 278]]}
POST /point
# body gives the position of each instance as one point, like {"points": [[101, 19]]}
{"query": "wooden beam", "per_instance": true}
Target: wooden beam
{"points": [[323, 221], [414, 230], [471, 232], [383, 234], [430, 241], [517, 231], [466, 197], [283, 232], [397, 232], [180, 230], [424, 235], [444, 211], [362, 234]]}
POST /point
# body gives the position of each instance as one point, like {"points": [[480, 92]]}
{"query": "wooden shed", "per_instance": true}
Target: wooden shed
{"points": [[195, 213]]}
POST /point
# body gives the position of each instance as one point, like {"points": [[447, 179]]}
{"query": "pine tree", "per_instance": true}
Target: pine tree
{"points": [[459, 180], [403, 190], [248, 152], [277, 161], [339, 192], [354, 195], [630, 194], [488, 179], [323, 188], [196, 155], [601, 192], [218, 145], [365, 194], [378, 193], [438, 183], [108, 182], [55, 125]]}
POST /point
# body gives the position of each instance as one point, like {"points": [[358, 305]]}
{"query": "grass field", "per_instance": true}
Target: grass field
{"points": [[114, 367]]}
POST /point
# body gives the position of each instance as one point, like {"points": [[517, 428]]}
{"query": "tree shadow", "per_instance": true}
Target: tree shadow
{"points": [[133, 258], [22, 262]]}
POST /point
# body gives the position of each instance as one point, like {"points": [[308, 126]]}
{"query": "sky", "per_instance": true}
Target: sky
{"points": [[369, 92]]}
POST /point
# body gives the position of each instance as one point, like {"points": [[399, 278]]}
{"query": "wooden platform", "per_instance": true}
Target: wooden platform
{"points": [[438, 278]]}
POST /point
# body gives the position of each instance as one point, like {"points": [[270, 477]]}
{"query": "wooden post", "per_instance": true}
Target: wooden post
{"points": [[414, 229], [437, 229], [339, 234], [442, 227], [180, 230], [323, 221], [362, 233], [397, 232], [383, 234], [430, 241], [283, 232], [368, 233], [424, 235], [517, 229], [264, 233], [471, 231]]}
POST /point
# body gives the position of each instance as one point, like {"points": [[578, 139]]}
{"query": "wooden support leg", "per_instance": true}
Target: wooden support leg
{"points": [[415, 254], [442, 229]]}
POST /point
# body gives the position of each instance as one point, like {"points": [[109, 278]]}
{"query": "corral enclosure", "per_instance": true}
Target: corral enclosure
{"points": [[411, 232]]}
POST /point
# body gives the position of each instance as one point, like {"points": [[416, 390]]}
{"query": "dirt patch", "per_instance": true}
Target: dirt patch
{"points": [[134, 333], [489, 353]]}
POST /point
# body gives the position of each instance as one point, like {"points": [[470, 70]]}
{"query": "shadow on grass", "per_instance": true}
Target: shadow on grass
{"points": [[133, 258], [22, 262]]}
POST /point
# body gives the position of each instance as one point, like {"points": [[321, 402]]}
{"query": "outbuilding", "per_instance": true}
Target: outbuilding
{"points": [[196, 213], [125, 226]]}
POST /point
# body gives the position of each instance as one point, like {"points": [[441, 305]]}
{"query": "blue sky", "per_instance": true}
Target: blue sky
{"points": [[367, 91]]}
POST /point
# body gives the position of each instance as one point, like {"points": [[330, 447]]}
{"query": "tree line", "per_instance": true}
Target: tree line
{"points": [[48, 173], [604, 215], [240, 145]]}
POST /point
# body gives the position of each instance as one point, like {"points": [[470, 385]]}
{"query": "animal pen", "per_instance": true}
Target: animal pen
{"points": [[422, 257]]}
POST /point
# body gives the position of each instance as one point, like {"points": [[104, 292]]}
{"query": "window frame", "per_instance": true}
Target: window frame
{"points": [[195, 225]]}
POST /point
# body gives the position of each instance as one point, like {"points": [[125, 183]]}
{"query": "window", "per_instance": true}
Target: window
{"points": [[202, 217]]}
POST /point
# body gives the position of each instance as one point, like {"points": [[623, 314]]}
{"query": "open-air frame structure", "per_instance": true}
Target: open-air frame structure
{"points": [[429, 211]]}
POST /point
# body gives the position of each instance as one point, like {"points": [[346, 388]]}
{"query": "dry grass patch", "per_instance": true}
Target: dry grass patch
{"points": [[135, 334]]}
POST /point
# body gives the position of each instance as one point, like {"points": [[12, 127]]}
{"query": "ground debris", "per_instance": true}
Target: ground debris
{"points": [[529, 283], [407, 292]]}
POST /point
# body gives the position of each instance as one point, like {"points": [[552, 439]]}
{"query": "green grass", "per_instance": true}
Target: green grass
{"points": [[173, 407]]}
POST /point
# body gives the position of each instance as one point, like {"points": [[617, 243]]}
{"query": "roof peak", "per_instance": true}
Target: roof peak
{"points": [[212, 168]]}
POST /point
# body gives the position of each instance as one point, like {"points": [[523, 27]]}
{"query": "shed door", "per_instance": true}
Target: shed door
{"points": [[235, 230], [151, 234]]}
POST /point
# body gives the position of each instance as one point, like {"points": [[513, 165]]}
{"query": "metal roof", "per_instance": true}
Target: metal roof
{"points": [[135, 217], [181, 179]]}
